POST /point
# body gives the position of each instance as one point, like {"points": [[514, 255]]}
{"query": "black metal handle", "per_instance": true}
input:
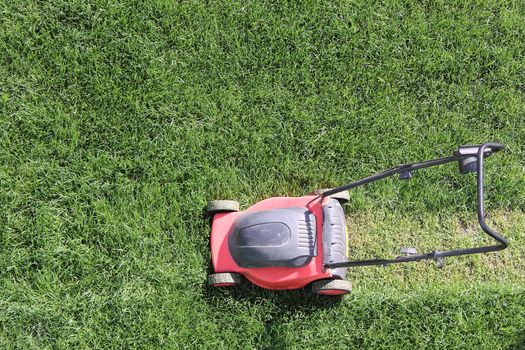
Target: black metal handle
{"points": [[459, 155], [481, 205]]}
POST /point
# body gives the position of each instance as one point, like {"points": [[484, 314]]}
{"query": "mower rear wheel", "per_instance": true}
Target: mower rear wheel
{"points": [[224, 279], [222, 206], [331, 287], [343, 197]]}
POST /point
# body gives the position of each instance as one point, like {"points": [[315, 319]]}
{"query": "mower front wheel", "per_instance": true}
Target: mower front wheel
{"points": [[224, 279], [221, 206], [343, 197], [331, 287]]}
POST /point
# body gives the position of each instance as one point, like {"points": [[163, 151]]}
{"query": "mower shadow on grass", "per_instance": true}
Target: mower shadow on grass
{"points": [[289, 300], [520, 345], [283, 305]]}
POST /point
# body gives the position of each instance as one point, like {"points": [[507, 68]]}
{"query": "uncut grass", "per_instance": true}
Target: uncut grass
{"points": [[118, 121]]}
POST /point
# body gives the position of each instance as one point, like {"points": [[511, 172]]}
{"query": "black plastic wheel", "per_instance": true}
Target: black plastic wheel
{"points": [[343, 197], [408, 251], [331, 287], [222, 206], [224, 279]]}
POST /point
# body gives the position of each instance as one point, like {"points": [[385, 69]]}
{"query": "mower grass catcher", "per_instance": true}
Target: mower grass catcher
{"points": [[292, 242]]}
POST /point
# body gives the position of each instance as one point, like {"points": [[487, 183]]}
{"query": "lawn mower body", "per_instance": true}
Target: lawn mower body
{"points": [[281, 242], [292, 242]]}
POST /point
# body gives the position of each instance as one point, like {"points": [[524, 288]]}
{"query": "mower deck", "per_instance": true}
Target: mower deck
{"points": [[308, 251]]}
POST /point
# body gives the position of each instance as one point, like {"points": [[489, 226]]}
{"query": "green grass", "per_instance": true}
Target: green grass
{"points": [[118, 121]]}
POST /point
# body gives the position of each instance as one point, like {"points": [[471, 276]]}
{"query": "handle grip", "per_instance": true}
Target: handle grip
{"points": [[481, 204]]}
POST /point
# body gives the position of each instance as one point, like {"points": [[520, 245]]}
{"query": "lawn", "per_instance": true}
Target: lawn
{"points": [[120, 120]]}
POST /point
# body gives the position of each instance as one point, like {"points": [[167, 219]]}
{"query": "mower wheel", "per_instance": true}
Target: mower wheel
{"points": [[331, 287], [342, 197], [222, 206], [224, 279]]}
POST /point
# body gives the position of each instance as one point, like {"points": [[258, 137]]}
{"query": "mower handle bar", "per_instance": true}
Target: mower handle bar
{"points": [[465, 155]]}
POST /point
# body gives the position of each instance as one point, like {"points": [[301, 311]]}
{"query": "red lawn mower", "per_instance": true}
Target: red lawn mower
{"points": [[292, 242]]}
